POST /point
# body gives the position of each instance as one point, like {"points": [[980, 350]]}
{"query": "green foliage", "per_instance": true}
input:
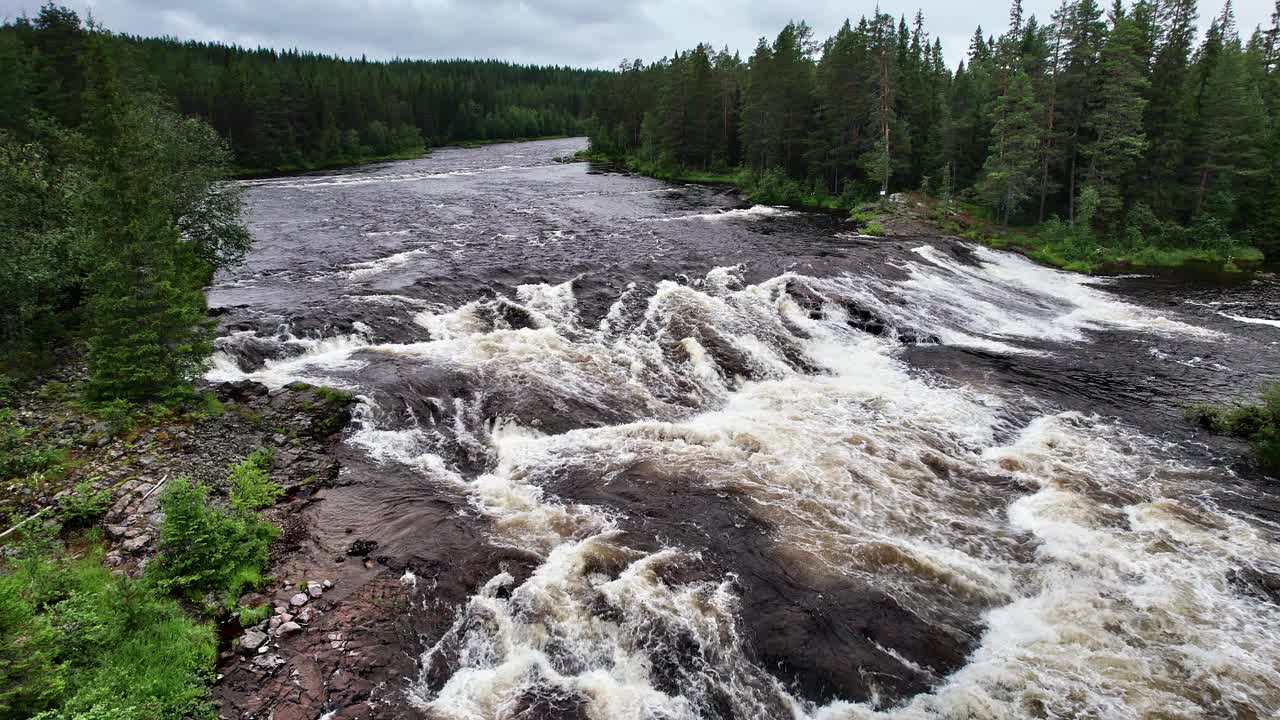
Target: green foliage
{"points": [[120, 416], [77, 642], [1259, 423], [204, 549], [874, 228], [83, 506], [1089, 117], [22, 456], [210, 405], [250, 616], [111, 215], [251, 486]]}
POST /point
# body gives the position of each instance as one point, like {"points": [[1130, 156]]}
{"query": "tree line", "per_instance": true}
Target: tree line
{"points": [[113, 215], [296, 109], [1125, 120]]}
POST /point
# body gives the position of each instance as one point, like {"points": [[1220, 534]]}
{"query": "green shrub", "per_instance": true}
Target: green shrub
{"points": [[210, 405], [204, 549], [874, 228], [76, 642], [21, 457], [1259, 423], [121, 416], [8, 384], [251, 486], [83, 505], [250, 616]]}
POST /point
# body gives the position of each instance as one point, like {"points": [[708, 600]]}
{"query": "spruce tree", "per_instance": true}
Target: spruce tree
{"points": [[1010, 172]]}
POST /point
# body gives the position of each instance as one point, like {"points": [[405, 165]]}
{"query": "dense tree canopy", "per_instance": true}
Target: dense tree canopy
{"points": [[1161, 126]]}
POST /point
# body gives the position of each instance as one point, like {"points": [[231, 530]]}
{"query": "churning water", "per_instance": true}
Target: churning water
{"points": [[747, 464]]}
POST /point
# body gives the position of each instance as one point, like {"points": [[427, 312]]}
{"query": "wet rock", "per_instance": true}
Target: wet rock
{"points": [[299, 600], [252, 640], [362, 547], [314, 589], [288, 628], [268, 662]]}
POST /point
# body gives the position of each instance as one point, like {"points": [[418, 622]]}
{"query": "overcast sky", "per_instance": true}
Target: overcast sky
{"points": [[587, 33]]}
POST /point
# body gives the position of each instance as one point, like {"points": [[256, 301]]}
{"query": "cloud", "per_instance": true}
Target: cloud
{"points": [[587, 33]]}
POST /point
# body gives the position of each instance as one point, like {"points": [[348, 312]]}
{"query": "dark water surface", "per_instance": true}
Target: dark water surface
{"points": [[645, 450]]}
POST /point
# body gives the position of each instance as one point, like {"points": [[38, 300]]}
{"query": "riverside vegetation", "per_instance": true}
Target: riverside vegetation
{"points": [[114, 216], [1107, 135]]}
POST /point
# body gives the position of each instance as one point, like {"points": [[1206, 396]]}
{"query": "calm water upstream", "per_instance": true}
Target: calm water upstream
{"points": [[721, 460]]}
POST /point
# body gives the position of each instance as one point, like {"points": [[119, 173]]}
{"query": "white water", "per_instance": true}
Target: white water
{"points": [[1103, 568]]}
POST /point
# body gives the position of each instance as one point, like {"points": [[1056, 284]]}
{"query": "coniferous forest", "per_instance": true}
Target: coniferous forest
{"points": [[1141, 131]]}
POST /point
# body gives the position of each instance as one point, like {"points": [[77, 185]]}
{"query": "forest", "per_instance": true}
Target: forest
{"points": [[1117, 134], [286, 110]]}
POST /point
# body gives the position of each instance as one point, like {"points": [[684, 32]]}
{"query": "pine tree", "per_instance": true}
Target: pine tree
{"points": [[1118, 136], [1009, 175]]}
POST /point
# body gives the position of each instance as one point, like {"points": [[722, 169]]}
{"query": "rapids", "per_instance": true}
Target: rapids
{"points": [[645, 451]]}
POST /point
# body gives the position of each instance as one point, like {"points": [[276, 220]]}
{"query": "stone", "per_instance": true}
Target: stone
{"points": [[299, 600], [288, 628], [314, 589], [137, 543], [268, 662], [117, 531], [327, 584], [252, 640], [306, 615]]}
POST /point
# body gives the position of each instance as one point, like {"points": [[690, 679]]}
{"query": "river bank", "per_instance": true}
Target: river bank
{"points": [[1053, 243]]}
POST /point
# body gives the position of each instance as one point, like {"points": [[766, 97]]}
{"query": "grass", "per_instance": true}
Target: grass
{"points": [[78, 642], [1258, 422], [1080, 249]]}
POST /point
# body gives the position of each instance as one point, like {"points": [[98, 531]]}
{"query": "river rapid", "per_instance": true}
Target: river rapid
{"points": [[643, 450]]}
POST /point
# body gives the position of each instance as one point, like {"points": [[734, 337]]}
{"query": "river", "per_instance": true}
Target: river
{"points": [[644, 450]]}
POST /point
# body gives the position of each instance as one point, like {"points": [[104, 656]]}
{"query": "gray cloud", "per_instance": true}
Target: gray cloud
{"points": [[563, 32]]}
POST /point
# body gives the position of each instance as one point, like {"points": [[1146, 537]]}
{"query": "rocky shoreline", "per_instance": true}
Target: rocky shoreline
{"points": [[331, 647]]}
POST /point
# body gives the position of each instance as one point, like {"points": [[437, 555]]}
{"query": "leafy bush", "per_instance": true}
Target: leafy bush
{"points": [[874, 228], [83, 505], [250, 616], [1259, 423], [204, 549], [251, 486], [76, 642], [21, 457], [120, 415]]}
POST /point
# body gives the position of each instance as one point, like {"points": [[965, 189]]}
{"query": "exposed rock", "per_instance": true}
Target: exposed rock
{"points": [[362, 547], [314, 589], [299, 600], [252, 640], [289, 628], [136, 544]]}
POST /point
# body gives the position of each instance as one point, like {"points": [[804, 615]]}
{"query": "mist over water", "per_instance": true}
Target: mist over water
{"points": [[761, 467]]}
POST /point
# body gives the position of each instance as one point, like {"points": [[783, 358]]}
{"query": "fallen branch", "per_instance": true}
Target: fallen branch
{"points": [[6, 533]]}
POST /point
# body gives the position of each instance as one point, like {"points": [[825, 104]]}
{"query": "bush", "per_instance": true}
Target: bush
{"points": [[120, 416], [1258, 423], [22, 458], [78, 642], [83, 506], [204, 549], [251, 486]]}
